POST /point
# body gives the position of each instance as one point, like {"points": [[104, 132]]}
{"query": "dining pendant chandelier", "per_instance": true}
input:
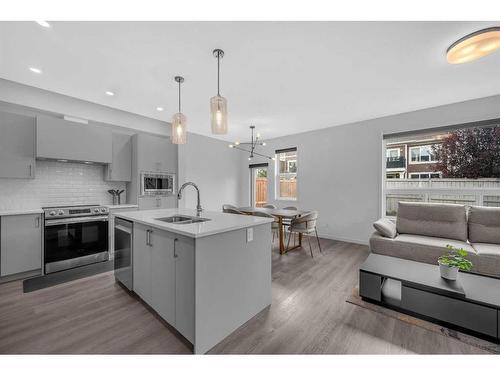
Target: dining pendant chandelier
{"points": [[256, 140], [218, 104], [179, 120]]}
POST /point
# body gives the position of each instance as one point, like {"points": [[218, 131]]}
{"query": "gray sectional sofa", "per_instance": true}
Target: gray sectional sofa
{"points": [[422, 231]]}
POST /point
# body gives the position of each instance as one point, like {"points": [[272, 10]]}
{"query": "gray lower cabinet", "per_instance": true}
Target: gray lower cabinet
{"points": [[120, 168], [17, 146], [184, 288], [20, 244], [142, 263], [164, 275]]}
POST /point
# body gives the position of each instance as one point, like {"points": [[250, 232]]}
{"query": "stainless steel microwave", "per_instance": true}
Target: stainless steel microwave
{"points": [[157, 183]]}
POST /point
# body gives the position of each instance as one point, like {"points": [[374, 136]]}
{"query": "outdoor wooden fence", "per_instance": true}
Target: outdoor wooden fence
{"points": [[288, 188]]}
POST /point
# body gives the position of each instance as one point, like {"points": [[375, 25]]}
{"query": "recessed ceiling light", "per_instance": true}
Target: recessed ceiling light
{"points": [[159, 109], [474, 46], [35, 70], [110, 93], [43, 24]]}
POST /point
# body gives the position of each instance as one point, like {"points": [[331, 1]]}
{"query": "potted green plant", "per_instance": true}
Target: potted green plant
{"points": [[450, 263]]}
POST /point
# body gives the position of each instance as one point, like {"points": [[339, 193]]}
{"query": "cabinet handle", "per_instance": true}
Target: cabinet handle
{"points": [[150, 233], [31, 170], [147, 237], [37, 222], [175, 248]]}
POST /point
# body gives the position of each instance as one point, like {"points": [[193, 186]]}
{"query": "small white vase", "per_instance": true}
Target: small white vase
{"points": [[447, 272]]}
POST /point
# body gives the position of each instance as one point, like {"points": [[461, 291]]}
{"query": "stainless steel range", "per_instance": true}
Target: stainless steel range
{"points": [[75, 236]]}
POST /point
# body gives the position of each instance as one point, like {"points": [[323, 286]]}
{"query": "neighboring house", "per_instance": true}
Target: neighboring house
{"points": [[412, 159]]}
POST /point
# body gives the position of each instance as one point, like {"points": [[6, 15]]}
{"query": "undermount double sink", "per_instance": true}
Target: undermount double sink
{"points": [[181, 219]]}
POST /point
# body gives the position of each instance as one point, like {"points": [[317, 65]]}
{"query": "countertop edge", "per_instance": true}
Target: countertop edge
{"points": [[21, 211], [123, 215]]}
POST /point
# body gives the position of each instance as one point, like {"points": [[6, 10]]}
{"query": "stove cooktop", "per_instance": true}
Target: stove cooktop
{"points": [[74, 210]]}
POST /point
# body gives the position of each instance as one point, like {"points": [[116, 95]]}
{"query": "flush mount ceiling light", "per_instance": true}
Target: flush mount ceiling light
{"points": [[159, 109], [110, 93], [43, 24], [35, 70], [256, 141], [218, 104], [179, 120], [474, 46]]}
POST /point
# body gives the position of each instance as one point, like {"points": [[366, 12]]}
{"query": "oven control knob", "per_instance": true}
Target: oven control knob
{"points": [[52, 213], [60, 212], [103, 210], [96, 210]]}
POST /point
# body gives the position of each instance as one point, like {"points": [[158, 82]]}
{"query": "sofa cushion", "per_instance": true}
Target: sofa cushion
{"points": [[484, 224], [432, 219], [428, 249], [385, 227], [490, 249]]}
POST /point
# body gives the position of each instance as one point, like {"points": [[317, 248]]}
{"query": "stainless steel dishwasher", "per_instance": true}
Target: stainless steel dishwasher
{"points": [[123, 252]]}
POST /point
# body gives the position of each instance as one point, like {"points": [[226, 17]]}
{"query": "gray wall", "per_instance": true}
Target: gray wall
{"points": [[340, 168], [214, 167]]}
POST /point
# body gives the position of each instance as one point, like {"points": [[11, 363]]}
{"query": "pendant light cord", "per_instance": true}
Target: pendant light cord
{"points": [[218, 73], [179, 96]]}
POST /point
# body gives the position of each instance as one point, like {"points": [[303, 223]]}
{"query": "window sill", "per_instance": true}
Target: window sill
{"points": [[287, 199]]}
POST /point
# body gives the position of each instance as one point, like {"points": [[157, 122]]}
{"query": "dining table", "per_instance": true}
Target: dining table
{"points": [[280, 214]]}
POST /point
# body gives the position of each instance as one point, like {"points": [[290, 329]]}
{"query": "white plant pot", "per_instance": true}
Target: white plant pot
{"points": [[447, 272]]}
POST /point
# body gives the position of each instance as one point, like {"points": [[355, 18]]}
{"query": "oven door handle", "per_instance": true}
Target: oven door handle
{"points": [[72, 220]]}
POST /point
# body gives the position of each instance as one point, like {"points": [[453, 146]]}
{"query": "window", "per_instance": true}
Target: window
{"points": [[286, 174], [422, 154], [258, 184], [459, 164], [393, 153], [425, 175]]}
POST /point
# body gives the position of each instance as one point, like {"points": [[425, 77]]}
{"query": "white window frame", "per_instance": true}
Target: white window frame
{"points": [[277, 191], [388, 152], [410, 161]]}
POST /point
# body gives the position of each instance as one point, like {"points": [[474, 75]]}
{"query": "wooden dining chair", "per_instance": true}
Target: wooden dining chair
{"points": [[275, 226], [305, 225]]}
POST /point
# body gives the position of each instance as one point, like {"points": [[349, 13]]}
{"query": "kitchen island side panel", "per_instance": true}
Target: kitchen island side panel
{"points": [[233, 282]]}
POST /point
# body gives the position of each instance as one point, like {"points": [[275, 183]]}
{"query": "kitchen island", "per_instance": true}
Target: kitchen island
{"points": [[204, 276]]}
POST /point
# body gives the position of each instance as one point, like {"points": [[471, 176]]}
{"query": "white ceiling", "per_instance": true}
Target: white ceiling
{"points": [[284, 77]]}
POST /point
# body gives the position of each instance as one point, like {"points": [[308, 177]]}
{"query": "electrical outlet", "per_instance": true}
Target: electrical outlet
{"points": [[249, 234]]}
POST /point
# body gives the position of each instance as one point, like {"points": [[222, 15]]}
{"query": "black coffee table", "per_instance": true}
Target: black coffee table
{"points": [[472, 303]]}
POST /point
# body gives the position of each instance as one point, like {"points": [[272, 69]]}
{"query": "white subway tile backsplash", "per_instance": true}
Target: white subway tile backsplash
{"points": [[58, 183]]}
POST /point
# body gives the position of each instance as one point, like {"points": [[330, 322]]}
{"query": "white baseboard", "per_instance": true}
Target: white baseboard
{"points": [[343, 239]]}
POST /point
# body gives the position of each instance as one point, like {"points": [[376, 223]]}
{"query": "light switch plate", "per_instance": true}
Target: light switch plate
{"points": [[249, 234]]}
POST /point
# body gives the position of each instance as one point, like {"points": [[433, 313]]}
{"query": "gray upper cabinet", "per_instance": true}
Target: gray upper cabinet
{"points": [[156, 153], [17, 145], [20, 244], [120, 168], [61, 139]]}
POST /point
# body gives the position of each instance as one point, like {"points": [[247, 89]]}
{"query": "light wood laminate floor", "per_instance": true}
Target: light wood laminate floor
{"points": [[308, 315]]}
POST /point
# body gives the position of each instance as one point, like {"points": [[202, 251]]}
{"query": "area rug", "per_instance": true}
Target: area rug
{"points": [[491, 347]]}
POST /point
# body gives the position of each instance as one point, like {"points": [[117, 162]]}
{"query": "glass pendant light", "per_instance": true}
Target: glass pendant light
{"points": [[218, 104], [179, 120]]}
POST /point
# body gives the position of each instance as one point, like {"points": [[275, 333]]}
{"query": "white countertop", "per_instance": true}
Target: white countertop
{"points": [[120, 206], [21, 211], [219, 222]]}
